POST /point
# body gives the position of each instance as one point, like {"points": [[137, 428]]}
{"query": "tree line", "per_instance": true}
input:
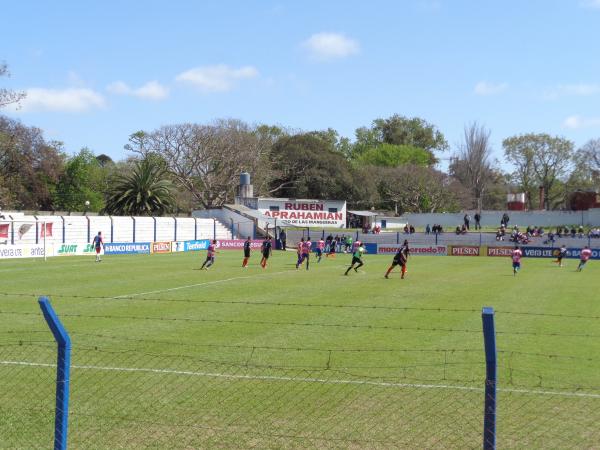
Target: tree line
{"points": [[392, 164]]}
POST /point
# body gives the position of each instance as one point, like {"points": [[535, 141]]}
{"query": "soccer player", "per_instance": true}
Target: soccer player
{"points": [[266, 249], [210, 255], [247, 244], [320, 249], [98, 243], [400, 258], [586, 254], [306, 249], [299, 250], [562, 253], [516, 259], [356, 259]]}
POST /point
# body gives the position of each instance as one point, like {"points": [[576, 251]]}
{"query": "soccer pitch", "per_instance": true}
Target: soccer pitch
{"points": [[168, 356]]}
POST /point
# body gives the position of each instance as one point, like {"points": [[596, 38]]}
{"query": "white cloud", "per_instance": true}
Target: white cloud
{"points": [[594, 4], [488, 88], [577, 122], [579, 89], [152, 90], [73, 100], [330, 46], [217, 78]]}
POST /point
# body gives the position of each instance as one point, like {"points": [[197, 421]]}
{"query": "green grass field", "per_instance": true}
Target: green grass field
{"points": [[167, 356]]}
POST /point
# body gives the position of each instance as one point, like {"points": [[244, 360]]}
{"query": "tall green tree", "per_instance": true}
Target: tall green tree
{"points": [[306, 166], [390, 155], [403, 131], [540, 160], [83, 180], [145, 190]]}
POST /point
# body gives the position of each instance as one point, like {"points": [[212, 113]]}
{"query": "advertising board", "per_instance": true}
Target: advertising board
{"points": [[430, 250], [127, 248], [463, 250]]}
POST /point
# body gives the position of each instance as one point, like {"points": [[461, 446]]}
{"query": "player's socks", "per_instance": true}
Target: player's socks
{"points": [[388, 271], [403, 272]]}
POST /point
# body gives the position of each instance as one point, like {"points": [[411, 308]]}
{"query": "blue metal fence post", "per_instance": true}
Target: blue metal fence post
{"points": [[37, 231], [112, 229], [397, 237], [63, 367], [63, 229], [489, 340], [215, 229], [154, 219], [195, 228], [175, 233]]}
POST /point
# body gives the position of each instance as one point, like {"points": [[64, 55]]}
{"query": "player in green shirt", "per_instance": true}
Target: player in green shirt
{"points": [[356, 259]]}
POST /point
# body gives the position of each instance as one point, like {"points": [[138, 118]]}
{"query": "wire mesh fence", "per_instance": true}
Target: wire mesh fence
{"points": [[142, 393]]}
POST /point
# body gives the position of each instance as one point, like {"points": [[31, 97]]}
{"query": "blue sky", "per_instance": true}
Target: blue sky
{"points": [[98, 71]]}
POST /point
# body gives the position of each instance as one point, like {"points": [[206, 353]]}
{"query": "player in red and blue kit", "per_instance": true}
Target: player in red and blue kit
{"points": [[210, 255], [320, 249], [247, 245], [299, 250], [307, 247], [266, 250], [98, 243]]}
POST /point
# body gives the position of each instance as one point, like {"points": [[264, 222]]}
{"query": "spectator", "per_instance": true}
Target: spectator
{"points": [[550, 239], [406, 229], [504, 220], [477, 218], [500, 234], [580, 232], [458, 230], [427, 229], [540, 232], [573, 232], [283, 239], [467, 220], [530, 231], [412, 229]]}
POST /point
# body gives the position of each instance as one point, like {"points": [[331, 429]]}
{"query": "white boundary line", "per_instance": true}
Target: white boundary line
{"points": [[206, 283], [304, 380]]}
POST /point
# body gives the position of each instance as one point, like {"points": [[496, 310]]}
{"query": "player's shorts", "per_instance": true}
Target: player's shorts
{"points": [[266, 255], [305, 255], [319, 252], [582, 262], [246, 253], [516, 265], [97, 250], [356, 260], [398, 262], [210, 258]]}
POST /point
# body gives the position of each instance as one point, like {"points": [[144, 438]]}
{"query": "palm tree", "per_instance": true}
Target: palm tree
{"points": [[145, 191]]}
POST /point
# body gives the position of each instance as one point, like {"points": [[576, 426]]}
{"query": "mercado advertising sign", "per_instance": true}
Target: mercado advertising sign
{"points": [[25, 251], [431, 250], [238, 244], [464, 250], [126, 248], [192, 246], [499, 251], [307, 213], [161, 247], [75, 249]]}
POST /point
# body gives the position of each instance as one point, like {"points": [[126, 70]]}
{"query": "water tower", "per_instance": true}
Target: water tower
{"points": [[245, 189]]}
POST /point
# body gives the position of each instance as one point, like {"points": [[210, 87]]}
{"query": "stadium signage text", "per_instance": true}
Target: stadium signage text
{"points": [[237, 244], [499, 251], [466, 250], [192, 246], [433, 250], [125, 248], [161, 247], [24, 251], [305, 213], [75, 249]]}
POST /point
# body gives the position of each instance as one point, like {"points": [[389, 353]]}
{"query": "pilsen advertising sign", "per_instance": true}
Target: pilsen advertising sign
{"points": [[307, 213]]}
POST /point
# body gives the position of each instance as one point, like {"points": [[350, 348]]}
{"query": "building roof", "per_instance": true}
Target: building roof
{"points": [[365, 213]]}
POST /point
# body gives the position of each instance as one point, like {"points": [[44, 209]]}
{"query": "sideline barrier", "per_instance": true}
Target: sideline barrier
{"points": [[127, 248], [430, 250], [464, 250], [26, 251]]}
